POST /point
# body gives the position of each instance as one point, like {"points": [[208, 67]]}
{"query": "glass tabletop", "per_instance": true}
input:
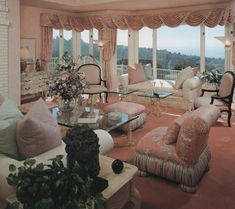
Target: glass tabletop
{"points": [[106, 121], [123, 91], [159, 94]]}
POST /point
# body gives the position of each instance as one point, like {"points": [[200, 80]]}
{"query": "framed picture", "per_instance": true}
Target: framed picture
{"points": [[30, 45]]}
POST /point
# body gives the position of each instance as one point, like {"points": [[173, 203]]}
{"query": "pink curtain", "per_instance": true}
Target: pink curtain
{"points": [[210, 17], [46, 46], [108, 51]]}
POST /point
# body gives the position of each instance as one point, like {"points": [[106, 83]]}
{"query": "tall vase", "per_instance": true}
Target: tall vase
{"points": [[66, 105]]}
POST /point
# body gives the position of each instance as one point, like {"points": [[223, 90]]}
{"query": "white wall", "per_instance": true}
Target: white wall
{"points": [[4, 24], [9, 53], [14, 50]]}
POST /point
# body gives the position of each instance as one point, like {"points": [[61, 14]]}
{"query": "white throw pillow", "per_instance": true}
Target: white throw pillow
{"points": [[185, 74], [37, 132]]}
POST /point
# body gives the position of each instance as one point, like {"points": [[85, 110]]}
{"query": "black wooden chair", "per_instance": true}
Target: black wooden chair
{"points": [[93, 77], [223, 97]]}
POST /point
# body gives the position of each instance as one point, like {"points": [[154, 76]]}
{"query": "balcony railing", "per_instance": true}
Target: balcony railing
{"points": [[165, 74]]}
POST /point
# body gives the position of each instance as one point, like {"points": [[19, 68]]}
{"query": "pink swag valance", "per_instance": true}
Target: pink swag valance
{"points": [[210, 18]]}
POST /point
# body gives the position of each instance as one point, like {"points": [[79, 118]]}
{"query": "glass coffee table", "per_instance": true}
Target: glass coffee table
{"points": [[106, 121], [123, 92], [155, 99]]}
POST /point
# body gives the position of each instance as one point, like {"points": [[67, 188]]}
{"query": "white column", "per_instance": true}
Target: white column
{"points": [[61, 49], [154, 53], [228, 49], [202, 48], [136, 46]]}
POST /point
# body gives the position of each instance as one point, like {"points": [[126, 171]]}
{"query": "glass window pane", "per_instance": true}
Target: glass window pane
{"points": [[55, 43], [68, 41], [177, 48], [214, 49], [85, 42], [96, 50], [122, 51], [146, 50]]}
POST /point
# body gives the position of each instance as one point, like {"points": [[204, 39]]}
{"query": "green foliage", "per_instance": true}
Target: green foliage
{"points": [[211, 77], [52, 186]]}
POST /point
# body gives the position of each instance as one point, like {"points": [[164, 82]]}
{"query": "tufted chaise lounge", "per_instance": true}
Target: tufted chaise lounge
{"points": [[179, 152]]}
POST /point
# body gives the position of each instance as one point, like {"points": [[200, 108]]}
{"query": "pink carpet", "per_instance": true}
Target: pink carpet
{"points": [[216, 189]]}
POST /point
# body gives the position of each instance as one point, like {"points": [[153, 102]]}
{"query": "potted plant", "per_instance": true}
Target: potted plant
{"points": [[56, 186], [211, 77]]}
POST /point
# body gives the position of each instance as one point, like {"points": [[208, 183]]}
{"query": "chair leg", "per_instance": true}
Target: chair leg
{"points": [[229, 118], [106, 97]]}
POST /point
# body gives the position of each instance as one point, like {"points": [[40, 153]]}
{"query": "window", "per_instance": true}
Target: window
{"points": [[122, 51], [68, 41], [214, 49], [85, 42], [178, 47], [145, 45], [96, 50], [55, 43], [146, 50]]}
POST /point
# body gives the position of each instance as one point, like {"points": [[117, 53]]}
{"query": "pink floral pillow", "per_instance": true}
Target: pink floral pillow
{"points": [[171, 134], [136, 75]]}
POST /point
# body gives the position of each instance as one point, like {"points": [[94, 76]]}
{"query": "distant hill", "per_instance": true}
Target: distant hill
{"points": [[165, 58]]}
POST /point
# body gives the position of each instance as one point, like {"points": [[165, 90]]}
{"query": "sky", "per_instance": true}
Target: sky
{"points": [[184, 39]]}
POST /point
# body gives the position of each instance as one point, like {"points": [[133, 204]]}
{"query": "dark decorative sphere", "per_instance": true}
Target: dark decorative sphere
{"points": [[117, 166]]}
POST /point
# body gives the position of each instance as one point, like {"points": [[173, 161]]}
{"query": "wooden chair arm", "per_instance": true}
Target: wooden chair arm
{"points": [[209, 90]]}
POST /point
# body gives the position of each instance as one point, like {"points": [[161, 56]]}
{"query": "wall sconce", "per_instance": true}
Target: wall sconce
{"points": [[227, 41], [101, 43], [25, 58]]}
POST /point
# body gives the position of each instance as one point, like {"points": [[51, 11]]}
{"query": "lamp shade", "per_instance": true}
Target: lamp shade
{"points": [[227, 41], [24, 53]]}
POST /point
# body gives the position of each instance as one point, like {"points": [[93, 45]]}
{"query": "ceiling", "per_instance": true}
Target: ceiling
{"points": [[117, 5]]}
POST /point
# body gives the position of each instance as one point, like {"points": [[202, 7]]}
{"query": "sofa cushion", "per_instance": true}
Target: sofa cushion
{"points": [[37, 132], [136, 75], [183, 75]]}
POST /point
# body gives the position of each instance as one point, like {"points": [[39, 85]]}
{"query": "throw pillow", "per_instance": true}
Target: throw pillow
{"points": [[1, 99], [37, 132], [8, 138], [9, 115], [8, 109], [136, 75], [171, 134], [183, 75]]}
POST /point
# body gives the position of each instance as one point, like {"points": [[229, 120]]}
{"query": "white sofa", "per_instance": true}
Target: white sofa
{"points": [[105, 142], [181, 98]]}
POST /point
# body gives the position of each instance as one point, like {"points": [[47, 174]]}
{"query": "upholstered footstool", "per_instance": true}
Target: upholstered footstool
{"points": [[129, 108]]}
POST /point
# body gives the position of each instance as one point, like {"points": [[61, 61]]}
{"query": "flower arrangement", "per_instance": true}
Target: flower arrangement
{"points": [[67, 83]]}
